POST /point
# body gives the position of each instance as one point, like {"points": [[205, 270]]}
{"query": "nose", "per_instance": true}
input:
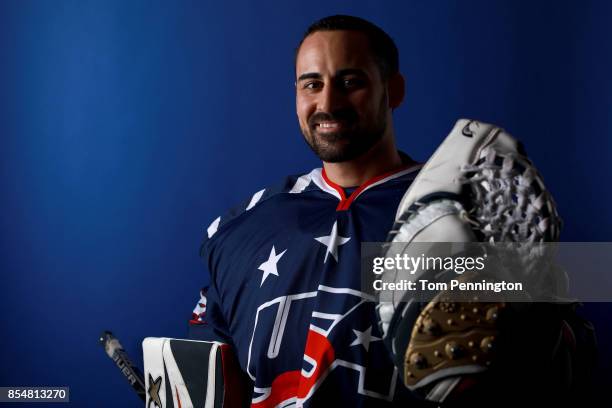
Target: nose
{"points": [[331, 99]]}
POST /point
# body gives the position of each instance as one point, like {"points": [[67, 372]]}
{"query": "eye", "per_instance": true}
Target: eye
{"points": [[352, 82], [312, 85]]}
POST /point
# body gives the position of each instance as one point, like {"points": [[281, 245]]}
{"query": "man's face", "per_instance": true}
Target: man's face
{"points": [[341, 99]]}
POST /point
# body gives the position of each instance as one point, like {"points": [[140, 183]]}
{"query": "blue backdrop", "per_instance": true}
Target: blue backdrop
{"points": [[127, 126]]}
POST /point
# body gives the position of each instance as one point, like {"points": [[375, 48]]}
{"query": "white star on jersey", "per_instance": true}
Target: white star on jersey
{"points": [[269, 267], [332, 242], [364, 338]]}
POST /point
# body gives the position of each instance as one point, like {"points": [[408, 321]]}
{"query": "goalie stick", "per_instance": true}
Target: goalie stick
{"points": [[115, 352]]}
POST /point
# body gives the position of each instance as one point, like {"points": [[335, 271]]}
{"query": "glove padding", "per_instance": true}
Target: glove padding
{"points": [[192, 374], [479, 186]]}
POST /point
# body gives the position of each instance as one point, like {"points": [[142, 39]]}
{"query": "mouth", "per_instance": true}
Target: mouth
{"points": [[330, 126]]}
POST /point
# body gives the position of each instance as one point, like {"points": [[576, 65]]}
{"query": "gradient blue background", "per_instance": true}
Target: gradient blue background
{"points": [[127, 126]]}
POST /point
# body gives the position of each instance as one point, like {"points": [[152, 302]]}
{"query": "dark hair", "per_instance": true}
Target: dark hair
{"points": [[381, 44]]}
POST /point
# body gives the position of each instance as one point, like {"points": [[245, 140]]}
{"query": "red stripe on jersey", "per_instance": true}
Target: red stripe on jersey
{"points": [[293, 384], [345, 202]]}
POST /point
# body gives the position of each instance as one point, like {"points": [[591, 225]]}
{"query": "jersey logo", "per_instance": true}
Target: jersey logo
{"points": [[330, 340]]}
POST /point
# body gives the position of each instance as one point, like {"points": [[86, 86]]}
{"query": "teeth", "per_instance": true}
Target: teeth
{"points": [[328, 125]]}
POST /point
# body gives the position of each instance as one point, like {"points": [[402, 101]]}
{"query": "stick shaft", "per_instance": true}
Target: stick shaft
{"points": [[115, 352]]}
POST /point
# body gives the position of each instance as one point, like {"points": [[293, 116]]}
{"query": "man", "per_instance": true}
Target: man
{"points": [[285, 266], [285, 289]]}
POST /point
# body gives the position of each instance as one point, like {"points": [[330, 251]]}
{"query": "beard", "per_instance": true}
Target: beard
{"points": [[349, 143]]}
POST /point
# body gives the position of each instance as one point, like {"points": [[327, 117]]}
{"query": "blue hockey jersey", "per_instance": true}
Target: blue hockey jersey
{"points": [[285, 291]]}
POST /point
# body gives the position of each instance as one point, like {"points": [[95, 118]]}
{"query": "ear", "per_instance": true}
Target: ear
{"points": [[396, 87]]}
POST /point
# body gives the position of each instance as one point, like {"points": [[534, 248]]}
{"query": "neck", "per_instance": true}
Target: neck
{"points": [[381, 158]]}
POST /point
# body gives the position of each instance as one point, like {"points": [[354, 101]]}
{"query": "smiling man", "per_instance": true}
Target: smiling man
{"points": [[348, 83], [285, 288]]}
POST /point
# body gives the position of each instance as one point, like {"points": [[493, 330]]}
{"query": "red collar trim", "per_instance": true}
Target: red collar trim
{"points": [[345, 202]]}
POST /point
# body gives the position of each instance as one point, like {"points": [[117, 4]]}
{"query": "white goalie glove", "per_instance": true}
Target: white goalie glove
{"points": [[183, 373], [479, 186]]}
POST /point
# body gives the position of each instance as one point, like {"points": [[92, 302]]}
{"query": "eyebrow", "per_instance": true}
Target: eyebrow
{"points": [[309, 75], [339, 73], [350, 71]]}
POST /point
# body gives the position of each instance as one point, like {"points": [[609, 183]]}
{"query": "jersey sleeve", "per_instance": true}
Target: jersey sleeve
{"points": [[207, 321]]}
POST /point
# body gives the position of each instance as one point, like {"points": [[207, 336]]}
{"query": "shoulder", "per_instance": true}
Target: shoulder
{"points": [[290, 185]]}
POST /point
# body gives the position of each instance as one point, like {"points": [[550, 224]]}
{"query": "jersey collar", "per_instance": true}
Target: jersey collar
{"points": [[320, 179]]}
